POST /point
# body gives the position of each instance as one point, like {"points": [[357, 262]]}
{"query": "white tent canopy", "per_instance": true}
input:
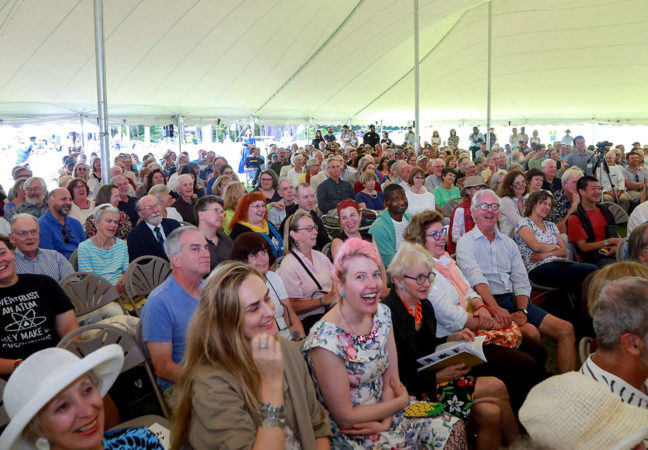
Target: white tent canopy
{"points": [[554, 61]]}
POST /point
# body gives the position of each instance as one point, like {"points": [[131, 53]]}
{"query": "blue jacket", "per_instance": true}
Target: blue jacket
{"points": [[383, 233]]}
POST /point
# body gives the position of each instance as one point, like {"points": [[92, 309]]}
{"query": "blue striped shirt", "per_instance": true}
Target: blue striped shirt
{"points": [[110, 263], [46, 262], [497, 264]]}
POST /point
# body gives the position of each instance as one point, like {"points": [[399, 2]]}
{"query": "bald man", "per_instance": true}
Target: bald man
{"points": [[58, 231]]}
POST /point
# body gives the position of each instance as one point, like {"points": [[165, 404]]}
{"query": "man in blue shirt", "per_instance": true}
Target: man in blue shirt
{"points": [[58, 231], [169, 307]]}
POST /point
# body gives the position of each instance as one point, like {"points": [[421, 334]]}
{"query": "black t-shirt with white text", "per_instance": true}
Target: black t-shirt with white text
{"points": [[28, 311]]}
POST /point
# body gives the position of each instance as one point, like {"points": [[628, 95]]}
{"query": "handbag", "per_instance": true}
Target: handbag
{"points": [[510, 337]]}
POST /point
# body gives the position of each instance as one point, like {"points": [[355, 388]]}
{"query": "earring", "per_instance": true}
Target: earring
{"points": [[342, 294], [401, 286], [42, 444], [296, 244]]}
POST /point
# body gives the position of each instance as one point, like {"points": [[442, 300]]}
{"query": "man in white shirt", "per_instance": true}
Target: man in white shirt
{"points": [[621, 324], [617, 178]]}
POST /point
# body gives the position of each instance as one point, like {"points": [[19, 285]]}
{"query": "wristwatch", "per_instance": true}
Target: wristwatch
{"points": [[606, 243], [524, 310]]}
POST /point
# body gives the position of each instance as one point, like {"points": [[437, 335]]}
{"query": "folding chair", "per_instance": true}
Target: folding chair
{"points": [[88, 292], [4, 417], [584, 348], [450, 205], [620, 214], [74, 260], [134, 356], [622, 250], [142, 276]]}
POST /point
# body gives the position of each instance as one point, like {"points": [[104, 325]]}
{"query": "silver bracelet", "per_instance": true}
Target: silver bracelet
{"points": [[272, 416]]}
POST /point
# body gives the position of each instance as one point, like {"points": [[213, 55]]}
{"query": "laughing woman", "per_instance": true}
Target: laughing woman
{"points": [[242, 386], [252, 215]]}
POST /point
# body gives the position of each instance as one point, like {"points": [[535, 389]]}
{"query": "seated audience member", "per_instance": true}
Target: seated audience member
{"points": [[165, 199], [25, 235], [387, 230], [606, 275], [58, 231], [268, 185], [573, 411], [638, 216], [126, 203], [147, 238], [534, 179], [153, 178], [103, 253], [418, 198], [614, 176], [415, 333], [16, 197], [42, 408], [461, 220], [551, 182], [305, 199], [435, 179], [232, 195], [591, 228], [286, 206], [35, 199], [541, 246], [242, 386], [209, 213], [185, 200], [369, 197], [334, 189], [312, 168], [365, 164], [251, 248], [511, 193], [447, 190], [637, 245], [636, 176], [567, 199], [298, 161], [621, 326], [169, 307], [193, 170], [352, 354], [252, 215], [36, 313], [305, 272], [109, 193], [493, 266], [457, 306], [82, 204], [220, 185]]}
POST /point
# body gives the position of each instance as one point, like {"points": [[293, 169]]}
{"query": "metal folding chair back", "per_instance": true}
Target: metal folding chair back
{"points": [[88, 291], [134, 353], [143, 275], [450, 205], [74, 260], [620, 214], [4, 417]]}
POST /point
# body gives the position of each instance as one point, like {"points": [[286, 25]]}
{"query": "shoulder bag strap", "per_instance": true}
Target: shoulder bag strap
{"points": [[319, 286]]}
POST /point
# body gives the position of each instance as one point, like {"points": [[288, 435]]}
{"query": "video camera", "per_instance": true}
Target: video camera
{"points": [[603, 144]]}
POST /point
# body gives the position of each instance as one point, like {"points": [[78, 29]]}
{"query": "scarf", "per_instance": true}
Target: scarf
{"points": [[264, 229], [453, 274]]}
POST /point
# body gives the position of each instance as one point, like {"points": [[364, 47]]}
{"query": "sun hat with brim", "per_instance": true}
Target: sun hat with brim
{"points": [[42, 376], [473, 181], [572, 411]]}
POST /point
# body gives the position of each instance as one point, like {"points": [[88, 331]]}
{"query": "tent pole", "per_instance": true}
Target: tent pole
{"points": [[308, 123], [488, 101], [417, 123], [102, 102], [180, 133], [81, 119]]}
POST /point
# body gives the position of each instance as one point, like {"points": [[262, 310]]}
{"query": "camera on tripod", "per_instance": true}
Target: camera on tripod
{"points": [[603, 145]]}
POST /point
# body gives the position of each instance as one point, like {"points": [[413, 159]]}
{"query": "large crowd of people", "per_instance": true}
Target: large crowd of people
{"points": [[307, 284]]}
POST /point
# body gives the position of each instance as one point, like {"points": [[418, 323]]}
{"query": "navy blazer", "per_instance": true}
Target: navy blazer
{"points": [[142, 241]]}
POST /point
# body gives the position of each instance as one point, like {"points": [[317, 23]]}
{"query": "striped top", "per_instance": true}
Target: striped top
{"points": [[628, 394], [110, 263]]}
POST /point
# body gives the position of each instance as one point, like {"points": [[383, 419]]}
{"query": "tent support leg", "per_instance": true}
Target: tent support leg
{"points": [[417, 123], [488, 101], [102, 102]]}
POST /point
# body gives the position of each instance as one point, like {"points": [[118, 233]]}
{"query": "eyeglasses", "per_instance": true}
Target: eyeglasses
{"points": [[438, 235], [79, 187], [25, 233], [258, 205], [487, 206], [519, 184], [308, 228], [266, 179], [262, 252], [67, 234], [421, 278], [34, 189], [228, 172], [218, 211], [150, 208]]}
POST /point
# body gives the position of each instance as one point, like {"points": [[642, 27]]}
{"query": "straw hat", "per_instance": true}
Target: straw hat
{"points": [[572, 411], [473, 181], [46, 373]]}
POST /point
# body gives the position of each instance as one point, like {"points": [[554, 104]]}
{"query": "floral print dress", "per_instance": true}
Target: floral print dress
{"points": [[366, 361]]}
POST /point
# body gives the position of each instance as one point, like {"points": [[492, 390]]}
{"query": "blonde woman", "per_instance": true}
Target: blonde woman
{"points": [[242, 386]]}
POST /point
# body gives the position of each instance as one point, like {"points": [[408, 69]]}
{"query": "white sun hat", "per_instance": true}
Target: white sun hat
{"points": [[43, 375], [572, 411]]}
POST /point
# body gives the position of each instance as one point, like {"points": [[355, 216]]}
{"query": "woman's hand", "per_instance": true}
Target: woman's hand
{"points": [[462, 335], [400, 393], [329, 299], [452, 373], [266, 353], [485, 319], [367, 428], [281, 206], [539, 256]]}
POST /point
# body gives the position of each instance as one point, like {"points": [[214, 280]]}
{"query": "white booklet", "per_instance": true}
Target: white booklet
{"points": [[469, 353]]}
